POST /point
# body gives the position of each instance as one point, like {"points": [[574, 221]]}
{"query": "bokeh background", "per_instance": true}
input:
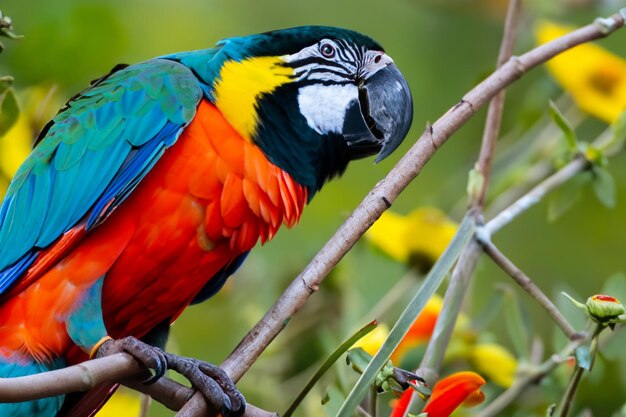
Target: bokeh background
{"points": [[444, 47]]}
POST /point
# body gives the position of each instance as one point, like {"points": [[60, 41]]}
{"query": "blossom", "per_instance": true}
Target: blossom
{"points": [[421, 329], [418, 238], [595, 78], [447, 395], [400, 405], [495, 362], [372, 341], [37, 104], [603, 309], [454, 390], [125, 402]]}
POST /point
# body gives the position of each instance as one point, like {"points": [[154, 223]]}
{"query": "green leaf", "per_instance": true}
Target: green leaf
{"points": [[9, 110], [604, 186], [564, 197], [577, 303], [489, 313], [517, 324], [559, 119], [332, 358], [416, 305], [332, 401], [583, 357], [358, 359]]}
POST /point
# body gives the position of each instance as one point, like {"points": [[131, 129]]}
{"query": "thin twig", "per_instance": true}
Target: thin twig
{"points": [[496, 106], [385, 193], [529, 286], [535, 195], [572, 387]]}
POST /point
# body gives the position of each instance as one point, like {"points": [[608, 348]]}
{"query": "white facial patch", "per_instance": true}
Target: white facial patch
{"points": [[324, 106]]}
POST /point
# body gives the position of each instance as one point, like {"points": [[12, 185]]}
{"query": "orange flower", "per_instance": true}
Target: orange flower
{"points": [[402, 403], [454, 390], [448, 393], [421, 329]]}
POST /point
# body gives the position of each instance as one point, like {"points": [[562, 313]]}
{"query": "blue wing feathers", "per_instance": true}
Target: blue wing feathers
{"points": [[132, 172], [9, 275], [94, 152]]}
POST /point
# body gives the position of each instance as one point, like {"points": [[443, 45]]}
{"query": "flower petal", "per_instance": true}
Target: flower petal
{"points": [[452, 391], [595, 78]]}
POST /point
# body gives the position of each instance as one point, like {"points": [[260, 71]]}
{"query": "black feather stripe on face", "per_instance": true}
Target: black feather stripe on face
{"points": [[285, 137]]}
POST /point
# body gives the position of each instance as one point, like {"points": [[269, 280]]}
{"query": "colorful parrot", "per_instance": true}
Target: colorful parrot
{"points": [[149, 188]]}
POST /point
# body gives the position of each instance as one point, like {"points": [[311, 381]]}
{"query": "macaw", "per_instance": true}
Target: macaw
{"points": [[149, 188]]}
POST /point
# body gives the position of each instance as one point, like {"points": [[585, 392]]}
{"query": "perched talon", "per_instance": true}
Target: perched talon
{"points": [[214, 384], [151, 357]]}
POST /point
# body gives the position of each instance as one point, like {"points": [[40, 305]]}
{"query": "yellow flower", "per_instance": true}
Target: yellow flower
{"points": [[124, 403], [372, 341], [495, 362], [418, 238], [37, 106], [594, 77]]}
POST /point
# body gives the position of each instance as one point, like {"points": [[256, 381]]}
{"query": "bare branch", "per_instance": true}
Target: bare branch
{"points": [[529, 286], [496, 106], [535, 195], [81, 377], [91, 373]]}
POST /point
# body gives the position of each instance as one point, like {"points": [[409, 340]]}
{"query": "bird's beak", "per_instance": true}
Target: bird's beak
{"points": [[381, 117]]}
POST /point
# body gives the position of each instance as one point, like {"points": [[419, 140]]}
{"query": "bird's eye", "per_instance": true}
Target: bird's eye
{"points": [[327, 50]]}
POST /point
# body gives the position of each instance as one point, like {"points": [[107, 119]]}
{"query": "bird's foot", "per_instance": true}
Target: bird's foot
{"points": [[217, 387], [149, 356], [211, 380]]}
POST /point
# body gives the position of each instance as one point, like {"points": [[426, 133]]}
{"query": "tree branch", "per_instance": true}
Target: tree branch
{"points": [[535, 195], [529, 286]]}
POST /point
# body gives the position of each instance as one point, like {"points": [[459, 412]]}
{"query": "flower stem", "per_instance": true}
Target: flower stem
{"points": [[568, 397]]}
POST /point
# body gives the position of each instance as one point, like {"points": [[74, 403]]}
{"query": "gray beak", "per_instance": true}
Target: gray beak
{"points": [[381, 118]]}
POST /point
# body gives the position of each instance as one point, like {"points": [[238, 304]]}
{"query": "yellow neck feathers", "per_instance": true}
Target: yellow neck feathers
{"points": [[240, 86]]}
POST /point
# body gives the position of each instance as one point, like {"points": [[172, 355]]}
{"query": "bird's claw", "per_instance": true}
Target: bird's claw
{"points": [[214, 384], [210, 380], [151, 357]]}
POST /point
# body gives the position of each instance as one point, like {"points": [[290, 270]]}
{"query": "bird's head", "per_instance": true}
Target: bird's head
{"points": [[312, 98]]}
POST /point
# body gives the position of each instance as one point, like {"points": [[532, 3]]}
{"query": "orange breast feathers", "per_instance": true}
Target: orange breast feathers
{"points": [[211, 197]]}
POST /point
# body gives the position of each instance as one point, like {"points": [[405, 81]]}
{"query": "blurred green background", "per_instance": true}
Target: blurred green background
{"points": [[443, 48]]}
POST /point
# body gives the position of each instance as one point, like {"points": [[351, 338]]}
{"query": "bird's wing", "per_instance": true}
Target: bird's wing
{"points": [[91, 156]]}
